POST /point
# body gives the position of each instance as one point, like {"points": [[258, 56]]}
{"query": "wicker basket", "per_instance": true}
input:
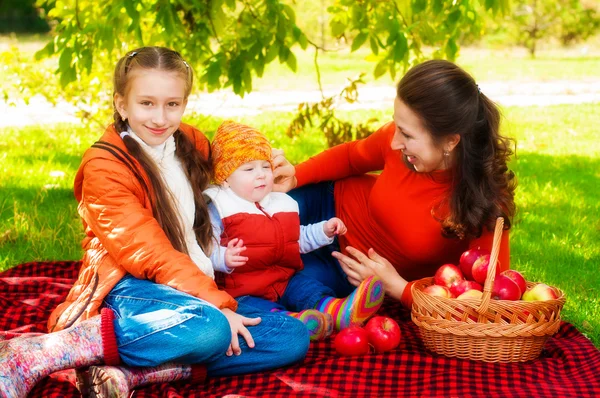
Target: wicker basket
{"points": [[485, 329]]}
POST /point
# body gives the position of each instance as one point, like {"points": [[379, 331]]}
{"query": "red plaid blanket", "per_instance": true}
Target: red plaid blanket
{"points": [[568, 367]]}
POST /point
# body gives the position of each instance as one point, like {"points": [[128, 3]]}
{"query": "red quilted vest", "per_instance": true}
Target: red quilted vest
{"points": [[270, 231]]}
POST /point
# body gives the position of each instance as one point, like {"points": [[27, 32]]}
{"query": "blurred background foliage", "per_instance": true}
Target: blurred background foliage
{"points": [[229, 43]]}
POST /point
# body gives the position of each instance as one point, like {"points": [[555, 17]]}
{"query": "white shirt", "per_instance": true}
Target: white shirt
{"points": [[176, 182]]}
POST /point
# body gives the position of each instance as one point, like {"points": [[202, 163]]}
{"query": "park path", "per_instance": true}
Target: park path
{"points": [[227, 104]]}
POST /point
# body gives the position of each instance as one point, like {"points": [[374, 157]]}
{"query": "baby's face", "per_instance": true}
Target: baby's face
{"points": [[252, 181]]}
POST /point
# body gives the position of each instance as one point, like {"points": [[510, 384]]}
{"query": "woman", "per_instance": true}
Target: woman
{"points": [[444, 180]]}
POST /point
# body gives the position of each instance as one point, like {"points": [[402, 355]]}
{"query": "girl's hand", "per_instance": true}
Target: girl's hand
{"points": [[238, 324], [283, 172], [232, 253], [361, 267], [334, 226]]}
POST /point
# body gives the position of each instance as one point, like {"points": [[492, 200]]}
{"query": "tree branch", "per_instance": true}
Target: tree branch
{"points": [[316, 61], [418, 48], [77, 14]]}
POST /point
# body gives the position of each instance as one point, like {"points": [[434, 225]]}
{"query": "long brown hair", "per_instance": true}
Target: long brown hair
{"points": [[197, 168], [448, 101]]}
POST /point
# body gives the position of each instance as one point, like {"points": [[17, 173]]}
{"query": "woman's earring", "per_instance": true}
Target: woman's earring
{"points": [[446, 153]]}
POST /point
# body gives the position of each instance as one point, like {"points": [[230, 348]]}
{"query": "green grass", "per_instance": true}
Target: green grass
{"points": [[555, 239]]}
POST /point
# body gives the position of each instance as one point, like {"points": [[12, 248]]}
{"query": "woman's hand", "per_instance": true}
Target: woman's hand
{"points": [[238, 325], [362, 266], [283, 172]]}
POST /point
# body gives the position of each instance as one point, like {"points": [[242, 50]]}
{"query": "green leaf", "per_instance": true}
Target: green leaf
{"points": [[392, 69], [45, 52], [453, 17], [272, 52], [67, 76], [247, 77], [213, 74], [400, 48], [259, 65], [380, 68], [291, 62], [303, 41], [284, 53], [418, 6], [337, 27], [358, 41], [438, 6], [289, 11], [65, 59], [231, 4], [451, 49], [374, 45], [132, 11], [86, 59], [281, 31]]}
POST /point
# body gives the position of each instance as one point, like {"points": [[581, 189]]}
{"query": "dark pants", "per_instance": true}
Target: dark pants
{"points": [[322, 274]]}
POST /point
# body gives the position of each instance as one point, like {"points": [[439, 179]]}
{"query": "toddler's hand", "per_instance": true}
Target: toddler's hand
{"points": [[232, 253], [334, 226]]}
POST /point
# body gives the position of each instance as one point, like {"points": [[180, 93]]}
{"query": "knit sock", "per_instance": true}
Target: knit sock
{"points": [[118, 381], [319, 325], [24, 361], [359, 306]]}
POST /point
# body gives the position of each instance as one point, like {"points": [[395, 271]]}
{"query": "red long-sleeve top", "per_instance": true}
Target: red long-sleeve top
{"points": [[391, 212]]}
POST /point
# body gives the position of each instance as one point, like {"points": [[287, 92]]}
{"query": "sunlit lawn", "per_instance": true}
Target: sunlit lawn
{"points": [[555, 239]]}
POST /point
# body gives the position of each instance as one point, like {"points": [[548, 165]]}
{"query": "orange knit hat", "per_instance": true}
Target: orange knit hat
{"points": [[235, 144]]}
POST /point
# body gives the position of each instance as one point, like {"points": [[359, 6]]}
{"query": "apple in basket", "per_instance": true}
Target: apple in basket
{"points": [[353, 340], [464, 286], [448, 275], [540, 292], [437, 290], [468, 258], [505, 289], [384, 333], [517, 277], [480, 268], [471, 294]]}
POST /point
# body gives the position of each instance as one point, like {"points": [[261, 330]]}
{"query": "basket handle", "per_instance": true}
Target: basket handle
{"points": [[491, 273]]}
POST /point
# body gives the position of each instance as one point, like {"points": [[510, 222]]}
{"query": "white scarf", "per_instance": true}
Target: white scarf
{"points": [[176, 181]]}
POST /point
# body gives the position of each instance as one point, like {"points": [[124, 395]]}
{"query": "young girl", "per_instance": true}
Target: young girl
{"points": [[261, 239], [145, 296]]}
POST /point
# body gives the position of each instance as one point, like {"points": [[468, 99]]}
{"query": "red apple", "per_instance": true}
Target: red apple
{"points": [[480, 268], [471, 294], [353, 340], [464, 286], [384, 333], [540, 292], [468, 258], [505, 289], [448, 275], [437, 290], [517, 277]]}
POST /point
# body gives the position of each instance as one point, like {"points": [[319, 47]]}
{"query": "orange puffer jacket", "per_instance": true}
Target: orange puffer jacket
{"points": [[122, 236]]}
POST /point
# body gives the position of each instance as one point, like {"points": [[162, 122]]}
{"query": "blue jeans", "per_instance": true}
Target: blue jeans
{"points": [[301, 293], [316, 203], [156, 324]]}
